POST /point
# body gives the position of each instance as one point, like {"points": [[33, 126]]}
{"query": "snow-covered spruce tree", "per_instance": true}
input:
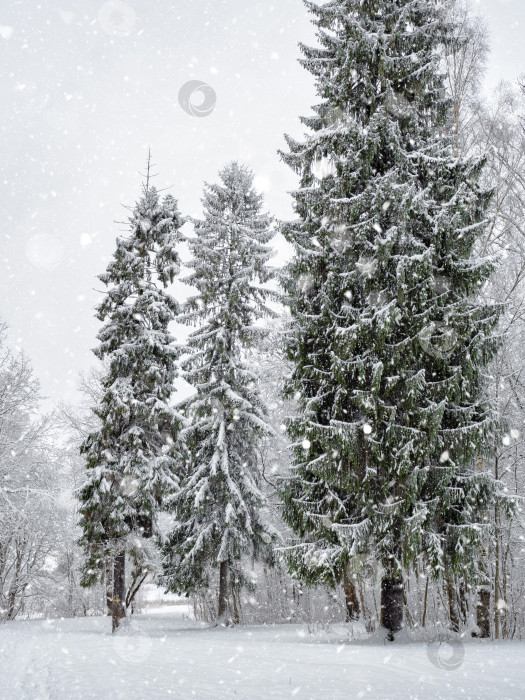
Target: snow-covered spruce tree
{"points": [[131, 462], [219, 511], [389, 338]]}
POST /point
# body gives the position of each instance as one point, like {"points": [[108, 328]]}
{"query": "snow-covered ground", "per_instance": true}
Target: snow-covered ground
{"points": [[169, 655]]}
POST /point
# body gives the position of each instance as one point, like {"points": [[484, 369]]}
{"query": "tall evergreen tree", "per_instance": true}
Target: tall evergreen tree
{"points": [[218, 508], [389, 338], [130, 458]]}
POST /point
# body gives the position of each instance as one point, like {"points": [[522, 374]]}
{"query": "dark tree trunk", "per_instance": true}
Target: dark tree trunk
{"points": [[351, 599], [452, 603], [223, 590], [236, 618], [108, 580], [119, 591], [392, 604], [425, 603], [483, 612], [11, 610], [462, 602]]}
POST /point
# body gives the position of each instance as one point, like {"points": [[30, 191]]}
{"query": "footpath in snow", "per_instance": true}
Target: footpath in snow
{"points": [[168, 655]]}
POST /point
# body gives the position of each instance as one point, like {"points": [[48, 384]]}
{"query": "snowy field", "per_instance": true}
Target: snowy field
{"points": [[168, 655]]}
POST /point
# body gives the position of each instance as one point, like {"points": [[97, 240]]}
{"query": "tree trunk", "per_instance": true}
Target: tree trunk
{"points": [[452, 602], [11, 610], [351, 599], [425, 603], [483, 612], [392, 604], [16, 588], [108, 581], [223, 590], [497, 592], [369, 625], [462, 602], [119, 591], [235, 604]]}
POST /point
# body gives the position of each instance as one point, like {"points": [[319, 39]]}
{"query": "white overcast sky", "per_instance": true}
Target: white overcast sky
{"points": [[80, 105]]}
